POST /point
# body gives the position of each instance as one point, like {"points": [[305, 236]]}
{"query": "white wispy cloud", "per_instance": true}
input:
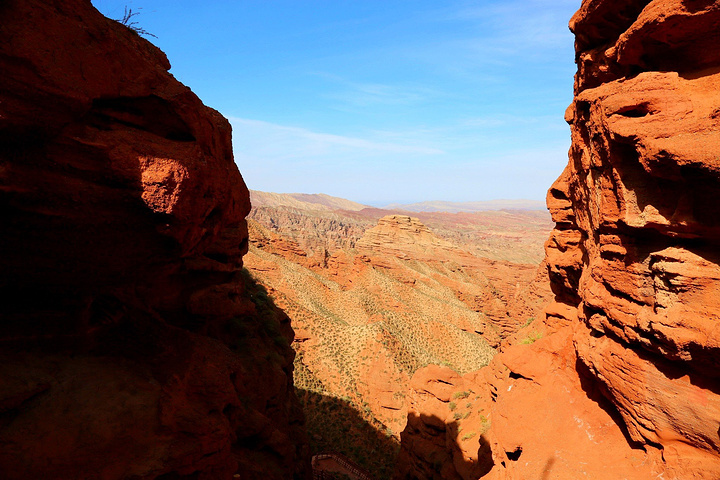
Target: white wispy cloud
{"points": [[285, 158], [370, 94], [394, 165], [257, 138], [495, 37]]}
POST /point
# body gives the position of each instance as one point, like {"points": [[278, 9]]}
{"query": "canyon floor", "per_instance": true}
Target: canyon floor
{"points": [[374, 295]]}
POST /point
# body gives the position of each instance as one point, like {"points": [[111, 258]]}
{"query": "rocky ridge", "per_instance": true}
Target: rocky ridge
{"points": [[132, 343], [512, 235], [403, 236], [318, 232], [620, 380]]}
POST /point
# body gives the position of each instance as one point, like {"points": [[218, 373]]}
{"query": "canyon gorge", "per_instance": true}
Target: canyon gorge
{"points": [[375, 295], [154, 326]]}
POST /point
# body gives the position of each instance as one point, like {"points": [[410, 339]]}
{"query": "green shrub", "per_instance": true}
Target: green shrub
{"points": [[532, 338]]}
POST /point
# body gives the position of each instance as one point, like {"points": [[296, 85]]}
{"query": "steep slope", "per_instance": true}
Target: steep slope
{"points": [[367, 318], [131, 344], [506, 293], [318, 232], [623, 382]]}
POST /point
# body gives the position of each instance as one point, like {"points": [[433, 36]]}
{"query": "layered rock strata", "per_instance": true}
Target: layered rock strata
{"points": [[620, 381], [635, 249], [131, 343], [402, 236]]}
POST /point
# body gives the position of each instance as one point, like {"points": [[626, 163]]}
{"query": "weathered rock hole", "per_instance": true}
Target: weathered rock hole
{"points": [[517, 376], [611, 255], [558, 194], [218, 257], [634, 111], [583, 109], [596, 334], [515, 455]]}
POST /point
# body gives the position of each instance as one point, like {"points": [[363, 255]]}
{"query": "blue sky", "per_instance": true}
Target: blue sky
{"points": [[379, 101]]}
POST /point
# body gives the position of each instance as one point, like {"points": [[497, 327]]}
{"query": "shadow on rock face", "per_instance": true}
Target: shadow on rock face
{"points": [[433, 448], [160, 400], [335, 426]]}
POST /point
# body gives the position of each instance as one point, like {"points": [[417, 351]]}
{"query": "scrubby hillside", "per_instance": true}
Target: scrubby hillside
{"points": [[370, 312]]}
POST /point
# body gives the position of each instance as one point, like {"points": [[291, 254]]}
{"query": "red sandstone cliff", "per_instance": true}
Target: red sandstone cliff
{"points": [[131, 344], [623, 382]]}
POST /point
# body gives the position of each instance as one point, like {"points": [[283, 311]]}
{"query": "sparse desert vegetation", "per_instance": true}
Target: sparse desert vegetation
{"points": [[372, 305]]}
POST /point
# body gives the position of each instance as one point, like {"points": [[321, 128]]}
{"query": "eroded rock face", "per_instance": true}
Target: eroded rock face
{"points": [[638, 202], [620, 380], [402, 236], [130, 340], [446, 428]]}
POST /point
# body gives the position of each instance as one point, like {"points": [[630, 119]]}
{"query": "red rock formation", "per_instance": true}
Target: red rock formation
{"points": [[131, 344], [404, 237], [641, 181], [624, 382], [515, 236]]}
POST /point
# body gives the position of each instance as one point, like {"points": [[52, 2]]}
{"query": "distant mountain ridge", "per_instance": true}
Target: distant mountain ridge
{"points": [[457, 207], [321, 201], [304, 201]]}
